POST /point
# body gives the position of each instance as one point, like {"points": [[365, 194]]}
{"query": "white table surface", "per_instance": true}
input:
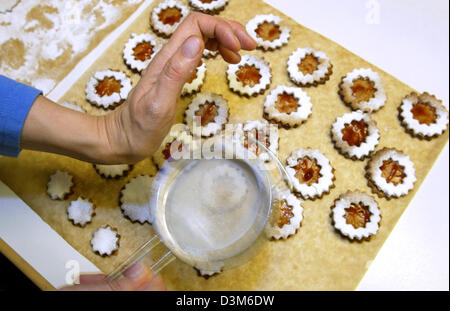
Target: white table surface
{"points": [[410, 41]]}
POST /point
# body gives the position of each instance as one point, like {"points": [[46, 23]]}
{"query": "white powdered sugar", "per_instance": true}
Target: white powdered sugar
{"points": [[253, 25], [375, 173], [133, 42], [47, 30], [317, 76], [135, 197], [373, 104], [368, 144], [80, 212], [213, 6], [220, 119], [249, 60], [423, 129], [257, 129], [339, 212], [108, 101], [294, 118], [167, 29], [197, 83], [325, 180], [105, 241], [273, 230]]}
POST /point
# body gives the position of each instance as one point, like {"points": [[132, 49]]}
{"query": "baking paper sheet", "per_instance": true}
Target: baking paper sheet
{"points": [[316, 257]]}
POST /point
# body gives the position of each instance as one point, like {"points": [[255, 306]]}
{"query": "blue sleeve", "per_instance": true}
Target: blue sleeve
{"points": [[15, 102]]}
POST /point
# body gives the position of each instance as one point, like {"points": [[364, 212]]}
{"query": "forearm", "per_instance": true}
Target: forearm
{"points": [[56, 129]]}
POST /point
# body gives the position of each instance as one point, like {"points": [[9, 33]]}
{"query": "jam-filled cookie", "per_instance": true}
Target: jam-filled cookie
{"points": [[178, 144], [287, 215], [105, 241], [423, 116], [355, 135], [390, 173], [309, 67], [356, 215], [362, 89], [267, 31], [135, 197], [310, 172], [208, 6], [140, 50], [194, 84], [207, 114], [166, 17], [108, 89], [250, 77], [261, 131], [287, 106]]}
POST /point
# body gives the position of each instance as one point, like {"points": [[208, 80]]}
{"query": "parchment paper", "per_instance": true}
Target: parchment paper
{"points": [[317, 257]]}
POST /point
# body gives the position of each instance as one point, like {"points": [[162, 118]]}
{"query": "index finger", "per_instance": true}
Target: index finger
{"points": [[229, 34]]}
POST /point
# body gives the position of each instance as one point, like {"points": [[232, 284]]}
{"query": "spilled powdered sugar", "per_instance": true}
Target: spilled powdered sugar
{"points": [[38, 39]]}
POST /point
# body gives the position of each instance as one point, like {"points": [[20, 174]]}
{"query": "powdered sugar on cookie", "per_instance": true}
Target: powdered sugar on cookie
{"points": [[355, 135], [105, 241], [267, 31], [80, 212], [135, 197], [356, 215]]}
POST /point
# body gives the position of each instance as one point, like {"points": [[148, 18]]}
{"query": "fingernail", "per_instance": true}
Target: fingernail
{"points": [[134, 271], [191, 47]]}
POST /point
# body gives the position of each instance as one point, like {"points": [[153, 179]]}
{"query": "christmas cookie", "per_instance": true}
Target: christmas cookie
{"points": [[80, 212], [390, 173], [356, 215], [176, 145], [310, 172], [113, 171], [362, 89], [260, 131], [107, 89], [209, 54], [209, 270], [207, 114], [60, 185], [287, 215], [309, 67], [140, 50], [135, 197], [105, 241], [250, 77], [423, 116], [267, 32], [167, 16], [208, 6], [355, 135], [287, 106], [195, 83]]}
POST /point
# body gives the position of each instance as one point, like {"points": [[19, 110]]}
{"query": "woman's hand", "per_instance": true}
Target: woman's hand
{"points": [[135, 130]]}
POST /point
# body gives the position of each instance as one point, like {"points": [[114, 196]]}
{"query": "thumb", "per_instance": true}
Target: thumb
{"points": [[180, 68], [136, 277]]}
